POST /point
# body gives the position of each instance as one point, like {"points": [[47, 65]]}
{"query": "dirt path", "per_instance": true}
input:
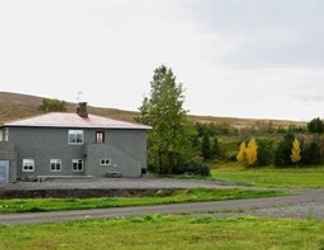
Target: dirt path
{"points": [[305, 201]]}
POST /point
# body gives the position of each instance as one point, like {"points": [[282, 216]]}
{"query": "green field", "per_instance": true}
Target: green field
{"points": [[181, 196], [271, 177], [167, 232]]}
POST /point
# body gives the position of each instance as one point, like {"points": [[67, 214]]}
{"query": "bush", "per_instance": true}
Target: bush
{"points": [[283, 151], [52, 105], [192, 168], [231, 156], [265, 152], [321, 144], [311, 154], [216, 150], [206, 150]]}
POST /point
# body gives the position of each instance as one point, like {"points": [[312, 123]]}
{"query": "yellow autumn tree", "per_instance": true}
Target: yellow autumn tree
{"points": [[295, 151], [252, 152], [241, 156]]}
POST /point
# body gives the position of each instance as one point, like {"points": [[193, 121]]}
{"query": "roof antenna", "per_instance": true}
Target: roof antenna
{"points": [[79, 96]]}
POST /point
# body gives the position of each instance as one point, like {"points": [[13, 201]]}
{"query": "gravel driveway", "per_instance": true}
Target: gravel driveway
{"points": [[114, 183]]}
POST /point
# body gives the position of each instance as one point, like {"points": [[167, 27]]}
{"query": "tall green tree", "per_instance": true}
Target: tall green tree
{"points": [[315, 126], [170, 143], [216, 151], [283, 151], [206, 149]]}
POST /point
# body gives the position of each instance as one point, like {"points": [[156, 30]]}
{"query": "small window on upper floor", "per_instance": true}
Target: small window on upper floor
{"points": [[76, 137], [4, 134], [100, 137]]}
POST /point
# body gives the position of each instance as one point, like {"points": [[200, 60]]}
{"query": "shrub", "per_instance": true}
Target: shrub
{"points": [[206, 150], [283, 151], [231, 156], [311, 154], [265, 152], [192, 168], [321, 144], [216, 150], [52, 105]]}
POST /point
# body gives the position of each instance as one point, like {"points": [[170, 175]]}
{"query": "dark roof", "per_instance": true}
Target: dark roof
{"points": [[73, 120]]}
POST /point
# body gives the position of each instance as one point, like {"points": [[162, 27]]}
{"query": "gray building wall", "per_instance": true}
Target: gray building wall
{"points": [[8, 153], [125, 148]]}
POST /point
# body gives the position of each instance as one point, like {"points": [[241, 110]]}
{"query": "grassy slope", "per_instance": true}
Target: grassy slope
{"points": [[311, 177], [166, 233], [196, 195], [15, 106]]}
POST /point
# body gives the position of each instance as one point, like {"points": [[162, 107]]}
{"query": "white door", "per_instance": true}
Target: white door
{"points": [[4, 171]]}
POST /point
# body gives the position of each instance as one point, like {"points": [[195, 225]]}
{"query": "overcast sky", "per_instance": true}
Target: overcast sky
{"points": [[245, 58]]}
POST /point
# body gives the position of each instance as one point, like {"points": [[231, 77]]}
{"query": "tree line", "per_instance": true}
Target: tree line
{"points": [[176, 145]]}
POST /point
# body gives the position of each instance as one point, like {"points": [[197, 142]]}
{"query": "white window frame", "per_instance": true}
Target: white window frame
{"points": [[6, 134], [77, 161], [30, 162], [102, 138], [76, 133], [56, 162], [105, 164]]}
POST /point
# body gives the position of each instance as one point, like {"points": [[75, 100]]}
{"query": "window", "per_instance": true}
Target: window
{"points": [[56, 165], [77, 165], [4, 134], [105, 163], [28, 165], [100, 137], [76, 137]]}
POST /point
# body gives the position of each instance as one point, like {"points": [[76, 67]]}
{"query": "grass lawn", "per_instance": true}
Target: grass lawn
{"points": [[195, 195], [203, 232], [312, 177]]}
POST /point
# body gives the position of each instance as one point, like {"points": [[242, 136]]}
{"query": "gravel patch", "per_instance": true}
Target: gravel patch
{"points": [[115, 183], [312, 210]]}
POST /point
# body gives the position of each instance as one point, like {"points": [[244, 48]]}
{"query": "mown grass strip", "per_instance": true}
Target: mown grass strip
{"points": [[167, 233], [270, 177], [180, 196]]}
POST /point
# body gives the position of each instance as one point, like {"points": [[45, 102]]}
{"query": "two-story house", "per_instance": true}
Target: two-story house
{"points": [[71, 145]]}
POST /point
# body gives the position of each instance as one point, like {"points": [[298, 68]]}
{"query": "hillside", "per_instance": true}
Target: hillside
{"points": [[16, 106]]}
